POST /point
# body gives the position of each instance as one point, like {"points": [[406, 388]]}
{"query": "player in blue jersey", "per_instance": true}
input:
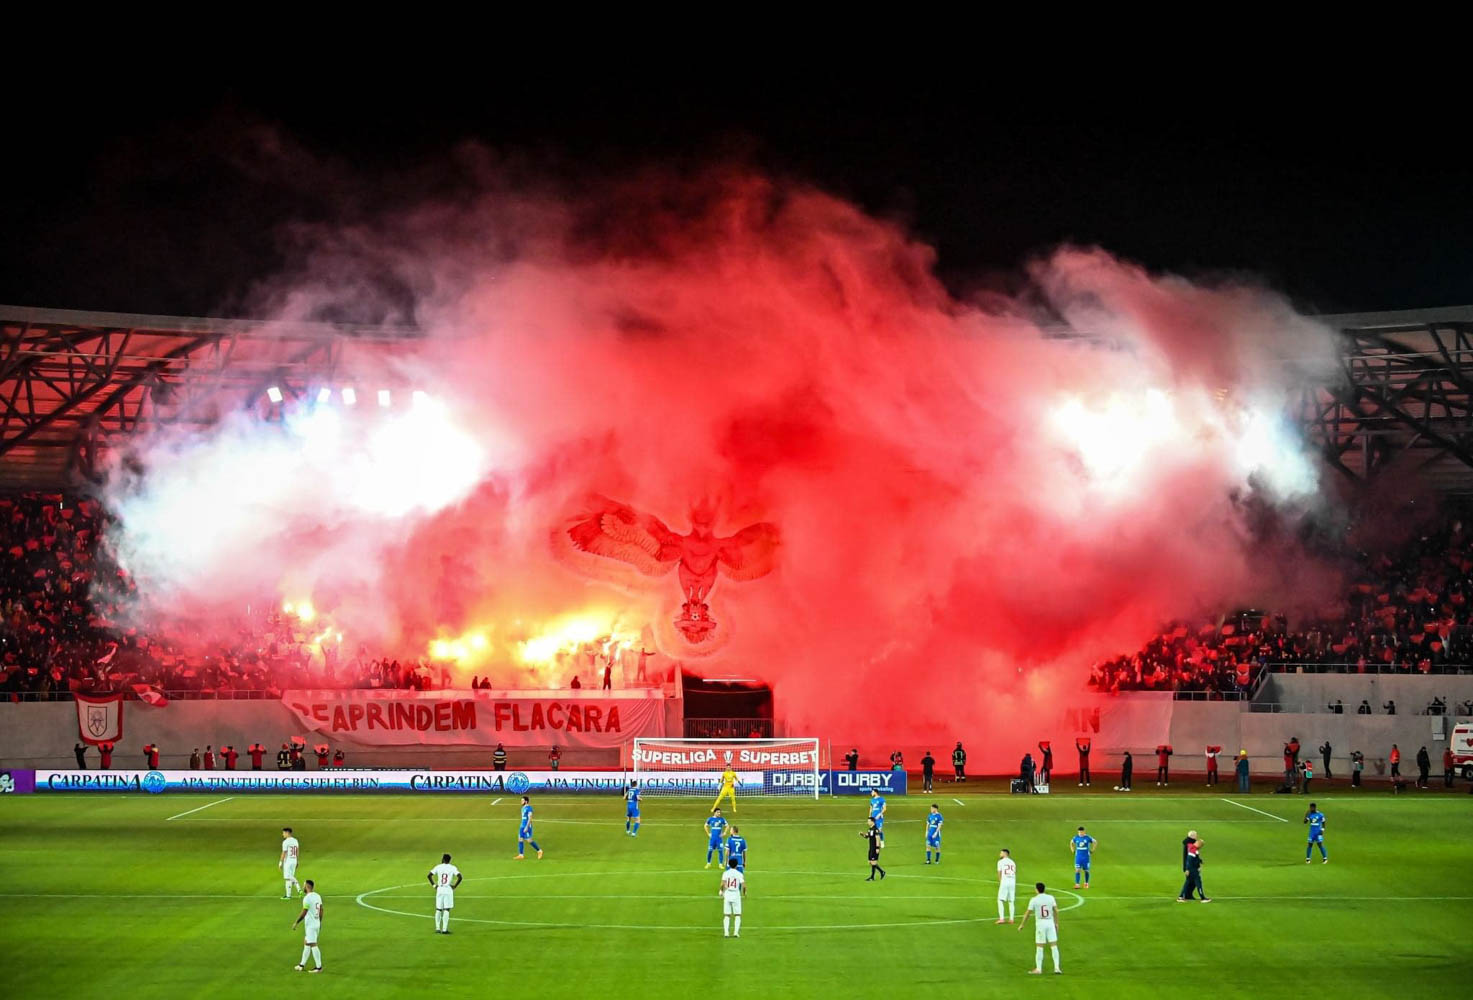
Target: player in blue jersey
{"points": [[524, 833], [1083, 846], [631, 809], [933, 833], [877, 812], [1316, 821], [715, 827], [736, 850]]}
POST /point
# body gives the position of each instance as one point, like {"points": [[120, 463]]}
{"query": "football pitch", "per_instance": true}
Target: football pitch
{"points": [[179, 896]]}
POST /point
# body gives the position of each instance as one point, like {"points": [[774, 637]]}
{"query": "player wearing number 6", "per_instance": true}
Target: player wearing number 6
{"points": [[1045, 909], [444, 877], [728, 788], [733, 888]]}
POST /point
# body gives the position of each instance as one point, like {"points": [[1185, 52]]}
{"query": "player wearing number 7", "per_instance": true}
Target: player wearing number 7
{"points": [[728, 788], [1045, 928], [444, 877]]}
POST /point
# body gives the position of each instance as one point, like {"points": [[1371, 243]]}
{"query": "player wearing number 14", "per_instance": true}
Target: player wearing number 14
{"points": [[444, 877], [733, 888]]}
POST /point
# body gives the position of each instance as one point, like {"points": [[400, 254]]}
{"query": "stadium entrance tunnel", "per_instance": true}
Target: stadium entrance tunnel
{"points": [[793, 901]]}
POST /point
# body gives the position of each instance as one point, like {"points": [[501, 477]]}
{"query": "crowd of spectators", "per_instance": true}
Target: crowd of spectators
{"points": [[1402, 612], [64, 625]]}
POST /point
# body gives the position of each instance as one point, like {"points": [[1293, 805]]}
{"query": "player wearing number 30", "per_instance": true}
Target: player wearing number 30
{"points": [[728, 788], [1007, 885], [290, 849], [444, 877], [1045, 909], [733, 888]]}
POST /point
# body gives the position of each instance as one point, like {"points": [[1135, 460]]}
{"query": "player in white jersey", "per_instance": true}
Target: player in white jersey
{"points": [[733, 888], [444, 877], [1045, 909], [290, 849], [1007, 885], [311, 918]]}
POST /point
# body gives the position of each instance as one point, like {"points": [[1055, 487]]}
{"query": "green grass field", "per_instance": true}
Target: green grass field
{"points": [[120, 896]]}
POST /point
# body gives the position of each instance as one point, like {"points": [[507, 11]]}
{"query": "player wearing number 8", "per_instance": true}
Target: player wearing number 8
{"points": [[444, 877], [1045, 909]]}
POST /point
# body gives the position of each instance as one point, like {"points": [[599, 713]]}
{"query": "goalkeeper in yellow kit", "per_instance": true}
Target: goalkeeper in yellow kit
{"points": [[728, 788]]}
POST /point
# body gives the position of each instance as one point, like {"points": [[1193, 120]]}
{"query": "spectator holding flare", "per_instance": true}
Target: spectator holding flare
{"points": [[1163, 764], [1212, 752], [321, 751], [209, 757], [231, 756], [1293, 747], [258, 754], [105, 755], [338, 757], [852, 759], [959, 762], [1047, 767], [897, 761], [1081, 744]]}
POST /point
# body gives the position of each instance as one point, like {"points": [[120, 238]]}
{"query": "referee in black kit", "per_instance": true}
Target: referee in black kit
{"points": [[876, 841]]}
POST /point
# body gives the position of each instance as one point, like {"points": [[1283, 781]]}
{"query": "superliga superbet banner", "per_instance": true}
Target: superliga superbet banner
{"points": [[799, 754], [479, 718], [334, 780]]}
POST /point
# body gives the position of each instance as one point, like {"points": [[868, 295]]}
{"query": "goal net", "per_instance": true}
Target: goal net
{"points": [[694, 767]]}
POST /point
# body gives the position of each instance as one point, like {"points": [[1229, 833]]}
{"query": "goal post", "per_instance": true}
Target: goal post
{"points": [[694, 767]]}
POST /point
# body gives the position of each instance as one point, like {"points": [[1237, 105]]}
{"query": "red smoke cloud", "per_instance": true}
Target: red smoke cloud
{"points": [[972, 505]]}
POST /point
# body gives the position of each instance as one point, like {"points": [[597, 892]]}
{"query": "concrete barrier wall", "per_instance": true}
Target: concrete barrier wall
{"points": [[42, 734], [1312, 692]]}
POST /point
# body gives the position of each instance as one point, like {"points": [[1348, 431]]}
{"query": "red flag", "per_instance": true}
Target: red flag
{"points": [[150, 695]]}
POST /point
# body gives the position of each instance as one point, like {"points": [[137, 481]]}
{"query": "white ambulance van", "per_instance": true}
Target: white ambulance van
{"points": [[1461, 745]]}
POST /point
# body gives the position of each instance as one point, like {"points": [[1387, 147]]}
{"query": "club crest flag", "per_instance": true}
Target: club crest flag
{"points": [[100, 720]]}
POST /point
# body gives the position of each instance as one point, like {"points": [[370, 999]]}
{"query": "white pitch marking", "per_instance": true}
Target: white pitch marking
{"points": [[205, 806], [959, 802], [1259, 811], [494, 801]]}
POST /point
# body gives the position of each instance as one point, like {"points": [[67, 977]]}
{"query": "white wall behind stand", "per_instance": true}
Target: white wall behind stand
{"points": [[1411, 692], [42, 734]]}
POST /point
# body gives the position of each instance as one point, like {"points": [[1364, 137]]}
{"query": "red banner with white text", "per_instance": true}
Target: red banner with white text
{"points": [[477, 718]]}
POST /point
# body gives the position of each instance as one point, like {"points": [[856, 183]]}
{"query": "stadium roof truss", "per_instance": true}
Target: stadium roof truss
{"points": [[1404, 401], [74, 384]]}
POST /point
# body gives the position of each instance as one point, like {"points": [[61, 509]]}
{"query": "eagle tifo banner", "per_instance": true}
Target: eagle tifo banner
{"points": [[100, 719], [481, 718]]}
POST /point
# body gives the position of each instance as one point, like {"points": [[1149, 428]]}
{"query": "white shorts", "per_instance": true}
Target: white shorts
{"points": [[289, 869], [1006, 890], [312, 927], [444, 898], [732, 907], [1044, 932]]}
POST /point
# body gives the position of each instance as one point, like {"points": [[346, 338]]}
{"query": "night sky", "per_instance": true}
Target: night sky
{"points": [[156, 198]]}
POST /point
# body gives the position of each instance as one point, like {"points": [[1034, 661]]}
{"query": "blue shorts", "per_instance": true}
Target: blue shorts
{"points": [[632, 812], [525, 833], [1315, 838], [715, 843], [933, 840], [879, 822], [1081, 861], [741, 860]]}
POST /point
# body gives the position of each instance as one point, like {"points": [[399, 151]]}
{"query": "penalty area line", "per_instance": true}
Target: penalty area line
{"points": [[198, 808], [958, 801], [1259, 811]]}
